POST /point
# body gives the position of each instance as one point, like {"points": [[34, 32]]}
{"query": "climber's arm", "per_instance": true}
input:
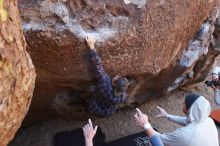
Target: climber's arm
{"points": [[95, 60], [96, 65]]}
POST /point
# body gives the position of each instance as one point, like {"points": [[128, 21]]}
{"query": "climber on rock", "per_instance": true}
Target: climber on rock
{"points": [[215, 83], [108, 91], [199, 129]]}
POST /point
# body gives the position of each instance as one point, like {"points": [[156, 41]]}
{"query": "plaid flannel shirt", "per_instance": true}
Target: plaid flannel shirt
{"points": [[103, 102]]}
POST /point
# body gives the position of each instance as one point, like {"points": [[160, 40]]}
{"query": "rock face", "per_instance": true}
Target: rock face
{"points": [[158, 45], [17, 73]]}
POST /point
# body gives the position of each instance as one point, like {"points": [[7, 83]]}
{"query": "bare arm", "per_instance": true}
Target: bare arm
{"points": [[89, 142]]}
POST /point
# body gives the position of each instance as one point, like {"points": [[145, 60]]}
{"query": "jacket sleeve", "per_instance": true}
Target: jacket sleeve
{"points": [[176, 138], [178, 119], [156, 141], [96, 65]]}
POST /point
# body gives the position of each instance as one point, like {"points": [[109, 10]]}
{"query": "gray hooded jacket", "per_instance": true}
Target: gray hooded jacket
{"points": [[199, 129]]}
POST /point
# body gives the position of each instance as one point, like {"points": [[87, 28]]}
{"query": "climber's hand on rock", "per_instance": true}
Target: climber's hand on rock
{"points": [[89, 132], [140, 118], [162, 113], [91, 42]]}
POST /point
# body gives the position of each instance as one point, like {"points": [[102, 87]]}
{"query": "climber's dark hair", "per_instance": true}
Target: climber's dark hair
{"points": [[121, 84]]}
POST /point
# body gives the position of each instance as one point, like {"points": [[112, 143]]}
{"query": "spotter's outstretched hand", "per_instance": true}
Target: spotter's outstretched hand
{"points": [[162, 113], [140, 118], [88, 130]]}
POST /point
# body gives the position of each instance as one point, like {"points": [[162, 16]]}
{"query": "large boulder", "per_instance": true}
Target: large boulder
{"points": [[155, 43], [17, 73]]}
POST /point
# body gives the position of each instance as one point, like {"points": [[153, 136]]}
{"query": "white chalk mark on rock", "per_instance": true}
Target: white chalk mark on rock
{"points": [[139, 3], [197, 47], [192, 54], [49, 8], [34, 26], [175, 84]]}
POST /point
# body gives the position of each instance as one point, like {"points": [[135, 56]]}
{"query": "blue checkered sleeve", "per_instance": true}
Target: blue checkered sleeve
{"points": [[119, 99], [97, 67]]}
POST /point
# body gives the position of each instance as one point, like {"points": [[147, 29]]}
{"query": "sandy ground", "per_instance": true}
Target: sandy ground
{"points": [[119, 125]]}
